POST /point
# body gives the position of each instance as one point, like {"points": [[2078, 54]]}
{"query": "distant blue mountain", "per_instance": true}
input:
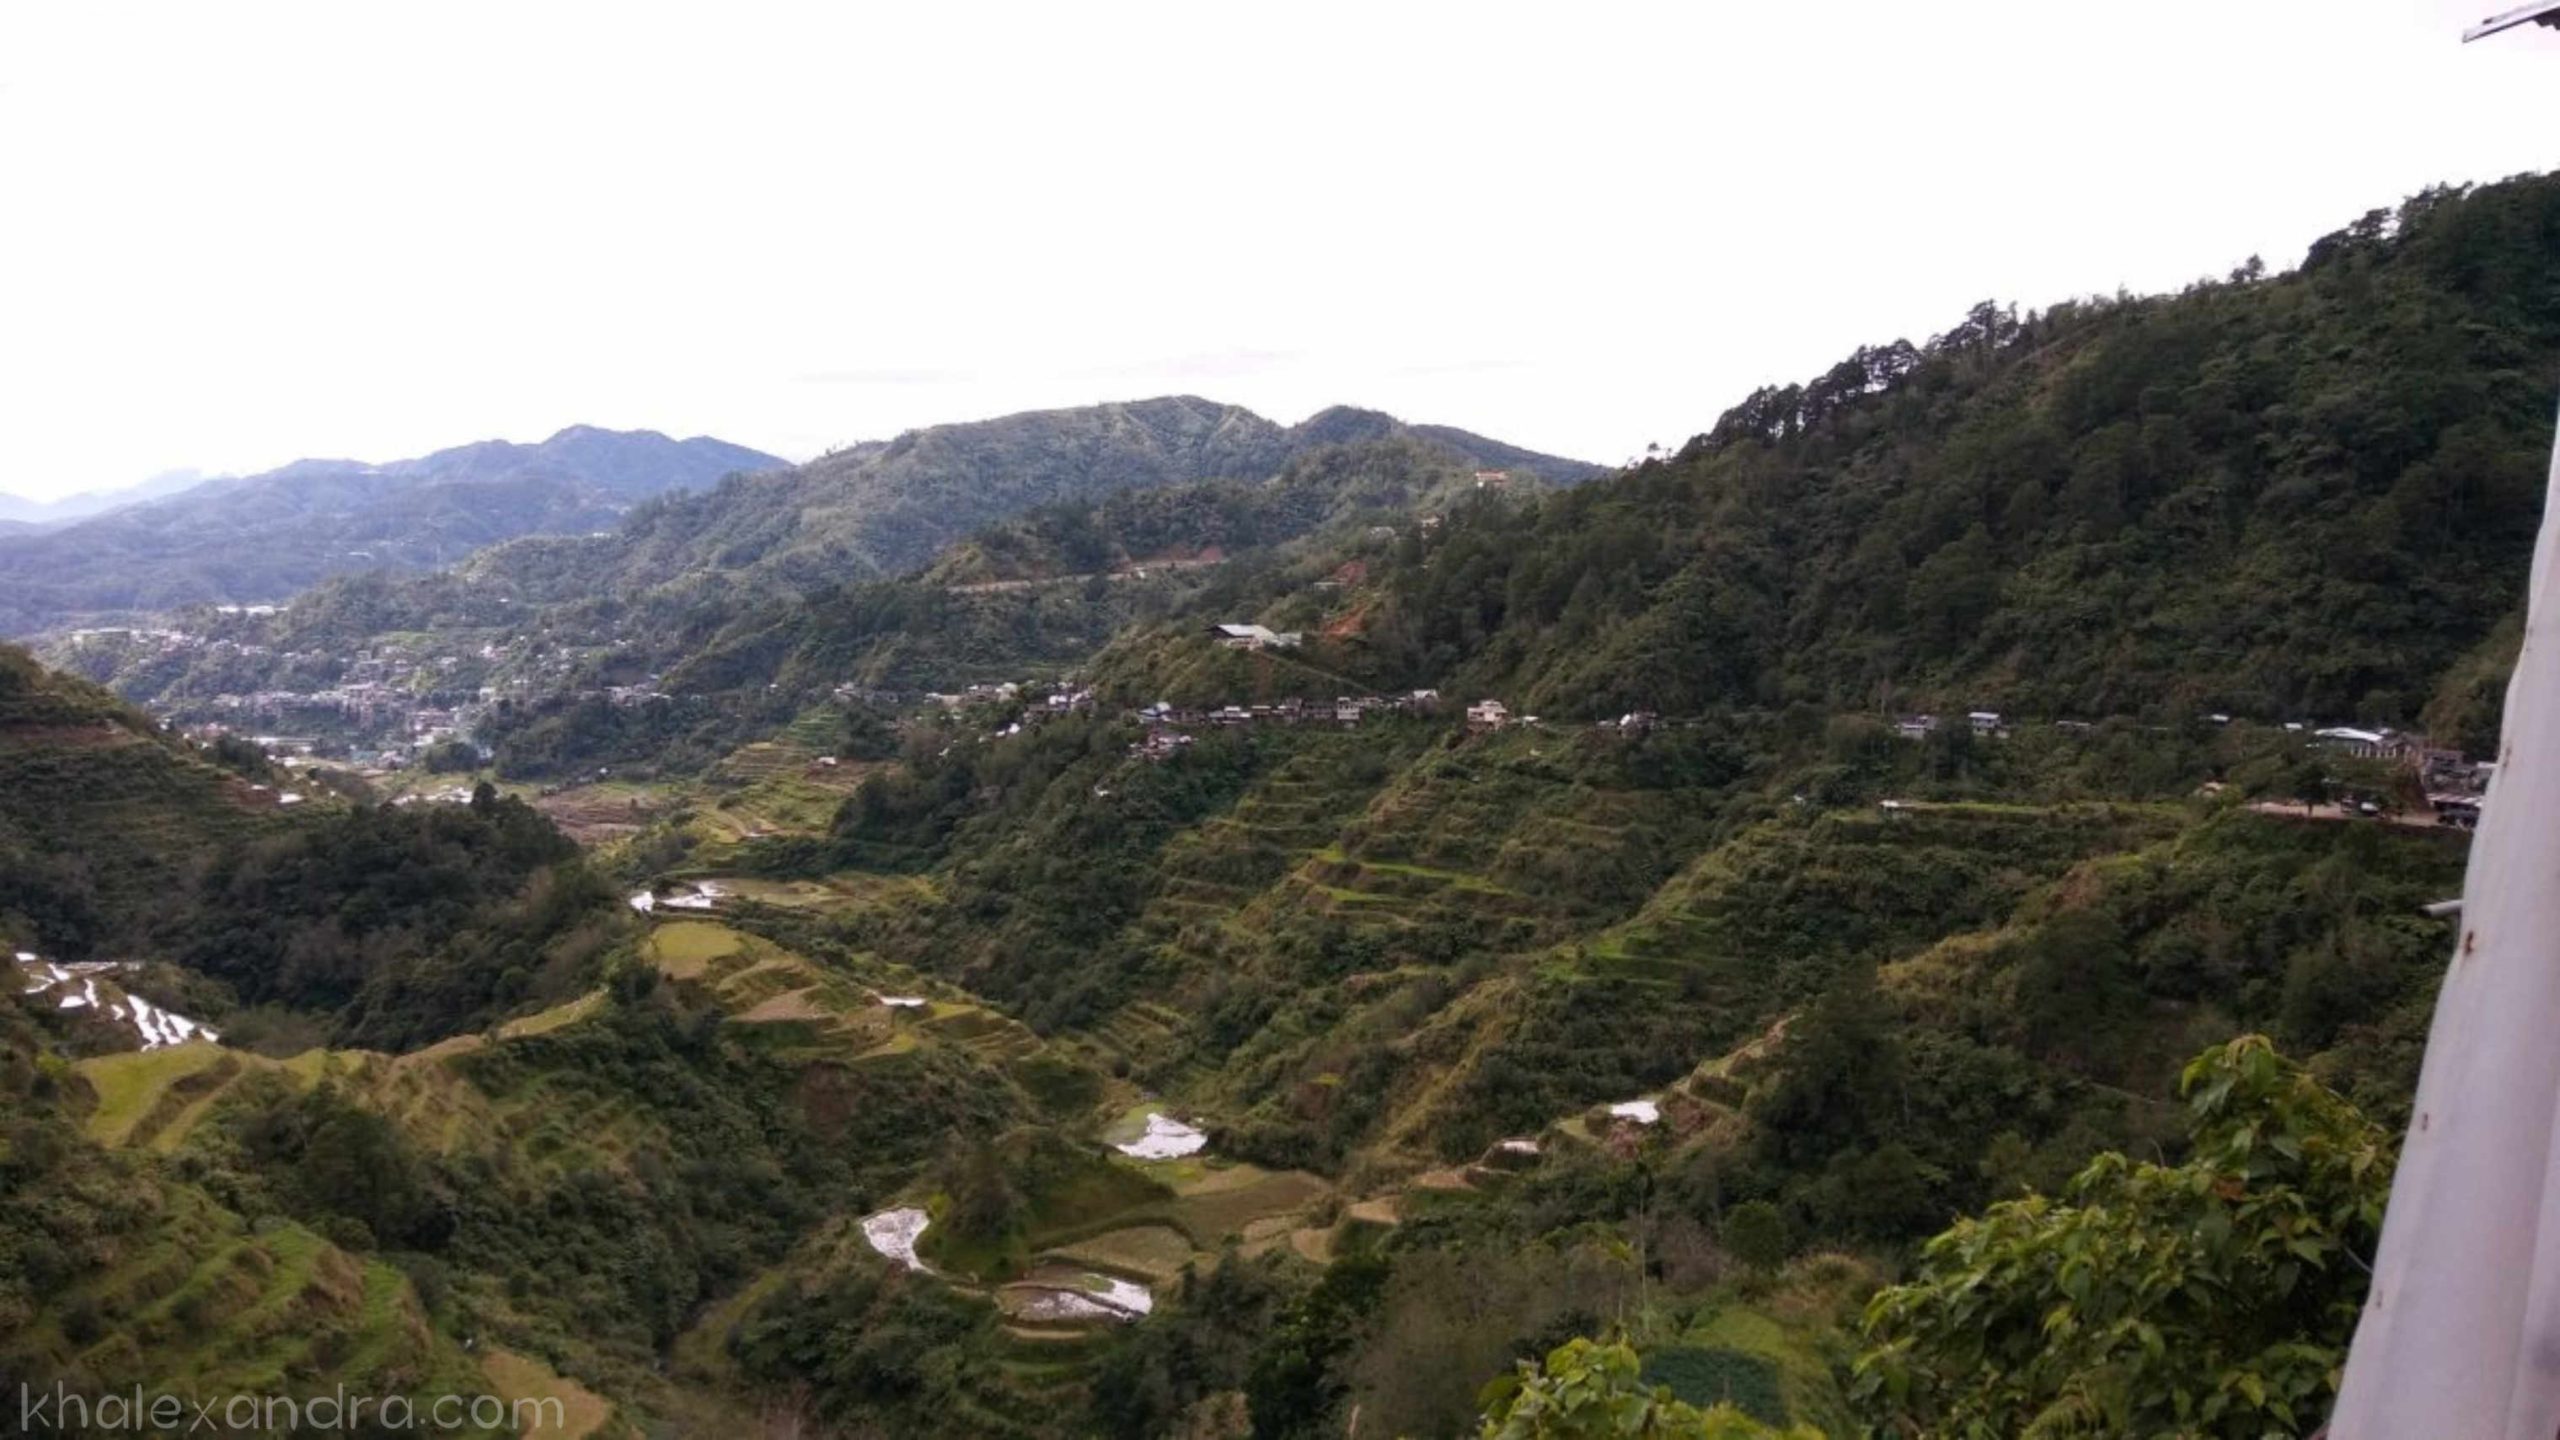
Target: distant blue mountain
{"points": [[260, 538]]}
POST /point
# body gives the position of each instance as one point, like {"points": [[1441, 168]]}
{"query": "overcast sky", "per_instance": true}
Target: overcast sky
{"points": [[231, 235]]}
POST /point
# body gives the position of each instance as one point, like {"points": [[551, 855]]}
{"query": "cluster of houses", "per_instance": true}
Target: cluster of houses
{"points": [[1165, 722], [447, 795], [1001, 694], [391, 731], [1166, 738], [384, 704], [2453, 783], [1065, 700], [2361, 744], [1341, 710]]}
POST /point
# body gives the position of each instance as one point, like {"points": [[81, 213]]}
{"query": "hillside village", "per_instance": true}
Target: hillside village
{"points": [[380, 707], [1934, 899]]}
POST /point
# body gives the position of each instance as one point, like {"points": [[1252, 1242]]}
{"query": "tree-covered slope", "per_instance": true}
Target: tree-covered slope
{"points": [[1422, 967], [2299, 494], [120, 1273], [103, 814], [1044, 590], [879, 510], [284, 906]]}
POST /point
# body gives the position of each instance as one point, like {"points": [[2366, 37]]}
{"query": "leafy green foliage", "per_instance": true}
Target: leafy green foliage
{"points": [[1297, 1380], [1204, 1346], [346, 1169], [408, 923], [450, 757], [1702, 1376], [575, 734], [2209, 1298], [1756, 1234], [871, 1343], [1587, 1391]]}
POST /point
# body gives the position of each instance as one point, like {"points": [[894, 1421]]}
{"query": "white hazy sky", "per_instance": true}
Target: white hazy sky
{"points": [[231, 235]]}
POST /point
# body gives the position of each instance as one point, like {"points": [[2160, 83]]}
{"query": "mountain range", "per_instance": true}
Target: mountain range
{"points": [[20, 514], [263, 538], [878, 510], [1273, 1030]]}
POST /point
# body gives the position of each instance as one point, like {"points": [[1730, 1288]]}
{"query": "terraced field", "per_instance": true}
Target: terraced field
{"points": [[807, 1010], [1219, 881], [153, 1098], [1423, 918], [106, 774], [1863, 883], [1736, 1353], [1150, 1252], [519, 1379], [763, 790], [600, 814], [296, 1314]]}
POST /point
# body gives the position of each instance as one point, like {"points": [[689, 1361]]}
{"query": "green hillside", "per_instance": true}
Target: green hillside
{"points": [[1058, 539], [2298, 495], [1417, 968], [881, 510], [1034, 1066], [267, 897], [118, 1271], [106, 813]]}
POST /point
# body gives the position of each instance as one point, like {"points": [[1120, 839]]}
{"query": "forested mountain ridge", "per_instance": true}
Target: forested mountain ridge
{"points": [[1035, 595], [263, 538], [880, 510], [1109, 562], [2299, 494], [1036, 591]]}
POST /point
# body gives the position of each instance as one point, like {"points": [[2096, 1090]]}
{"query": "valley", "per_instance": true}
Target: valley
{"points": [[1143, 921]]}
